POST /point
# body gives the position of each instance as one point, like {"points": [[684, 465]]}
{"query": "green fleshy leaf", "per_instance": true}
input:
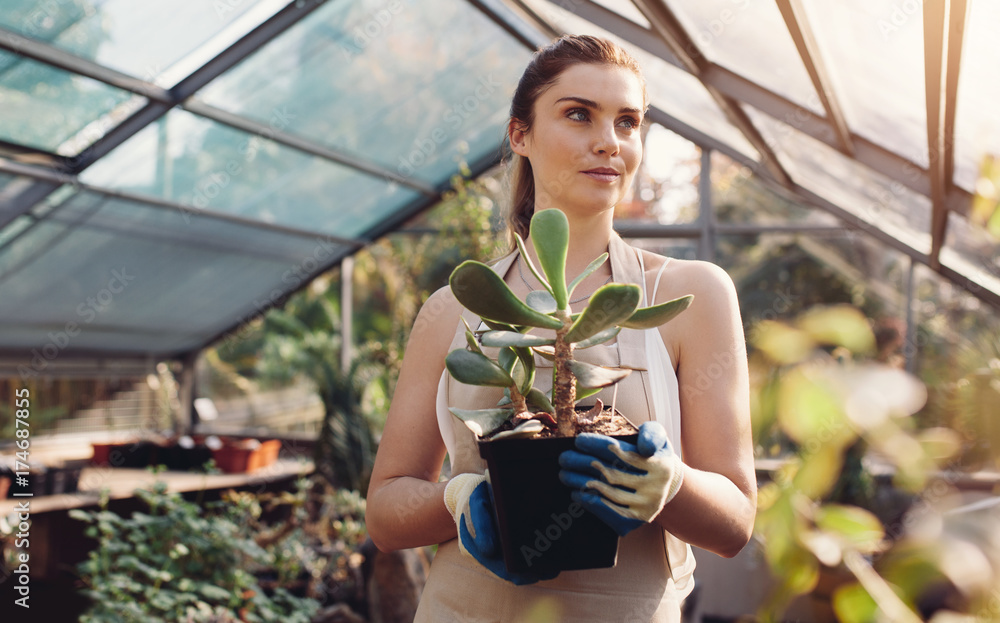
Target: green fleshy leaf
{"points": [[509, 361], [500, 326], [482, 291], [586, 392], [654, 316], [531, 265], [470, 338], [539, 400], [506, 359], [541, 301], [589, 376], [550, 235], [588, 271], [598, 338], [609, 306], [527, 360], [476, 369], [482, 421], [500, 339], [545, 352]]}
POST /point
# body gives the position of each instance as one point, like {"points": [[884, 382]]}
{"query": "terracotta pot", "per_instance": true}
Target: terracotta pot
{"points": [[246, 455], [541, 528]]}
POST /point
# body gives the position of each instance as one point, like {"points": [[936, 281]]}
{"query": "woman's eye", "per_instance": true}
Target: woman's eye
{"points": [[629, 123], [577, 114]]}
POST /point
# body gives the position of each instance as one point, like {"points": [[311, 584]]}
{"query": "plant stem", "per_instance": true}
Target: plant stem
{"points": [[563, 383], [517, 400]]}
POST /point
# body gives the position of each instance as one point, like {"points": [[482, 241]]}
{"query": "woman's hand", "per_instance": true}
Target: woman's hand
{"points": [[625, 485], [469, 499]]}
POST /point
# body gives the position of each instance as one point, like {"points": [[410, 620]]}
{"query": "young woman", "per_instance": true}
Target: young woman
{"points": [[575, 132]]}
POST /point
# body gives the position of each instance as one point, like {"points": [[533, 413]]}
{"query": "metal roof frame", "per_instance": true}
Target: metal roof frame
{"points": [[667, 39], [670, 42], [877, 158]]}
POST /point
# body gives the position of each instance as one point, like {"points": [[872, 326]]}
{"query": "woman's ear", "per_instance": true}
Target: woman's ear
{"points": [[517, 132]]}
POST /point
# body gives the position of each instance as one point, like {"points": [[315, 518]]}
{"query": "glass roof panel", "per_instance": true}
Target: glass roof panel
{"points": [[884, 204], [365, 79], [876, 63], [128, 268], [977, 125], [13, 229], [148, 40], [730, 34], [209, 166], [626, 9], [44, 107], [973, 252], [671, 89]]}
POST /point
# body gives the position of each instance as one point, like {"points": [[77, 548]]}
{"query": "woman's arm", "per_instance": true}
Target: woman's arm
{"points": [[717, 501], [405, 500]]}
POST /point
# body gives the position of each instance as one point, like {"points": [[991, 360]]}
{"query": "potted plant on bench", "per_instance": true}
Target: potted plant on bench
{"points": [[522, 437]]}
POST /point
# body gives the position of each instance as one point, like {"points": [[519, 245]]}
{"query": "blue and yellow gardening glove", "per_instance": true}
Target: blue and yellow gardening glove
{"points": [[625, 485], [469, 500]]}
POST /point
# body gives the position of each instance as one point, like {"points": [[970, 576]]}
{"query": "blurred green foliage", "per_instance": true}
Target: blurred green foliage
{"points": [[814, 380]]}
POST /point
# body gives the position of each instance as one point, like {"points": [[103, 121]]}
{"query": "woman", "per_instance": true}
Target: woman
{"points": [[575, 132]]}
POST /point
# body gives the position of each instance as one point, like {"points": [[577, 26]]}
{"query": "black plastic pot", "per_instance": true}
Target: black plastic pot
{"points": [[180, 459], [541, 528]]}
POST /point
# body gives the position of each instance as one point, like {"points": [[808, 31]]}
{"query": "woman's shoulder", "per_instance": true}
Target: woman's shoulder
{"points": [[703, 279], [442, 302]]}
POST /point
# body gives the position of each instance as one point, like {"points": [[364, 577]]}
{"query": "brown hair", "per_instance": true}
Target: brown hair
{"points": [[543, 70]]}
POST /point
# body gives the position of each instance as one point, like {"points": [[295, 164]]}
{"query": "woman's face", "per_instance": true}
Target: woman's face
{"points": [[584, 145]]}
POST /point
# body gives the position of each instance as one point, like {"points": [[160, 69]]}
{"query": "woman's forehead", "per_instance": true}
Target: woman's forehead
{"points": [[608, 85]]}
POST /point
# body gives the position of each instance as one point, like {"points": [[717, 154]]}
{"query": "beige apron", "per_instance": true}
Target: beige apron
{"points": [[654, 570]]}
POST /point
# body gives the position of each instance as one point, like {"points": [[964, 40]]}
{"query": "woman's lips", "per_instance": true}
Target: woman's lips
{"points": [[602, 175]]}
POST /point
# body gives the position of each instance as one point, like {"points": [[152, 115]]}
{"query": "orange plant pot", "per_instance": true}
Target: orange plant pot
{"points": [[243, 456]]}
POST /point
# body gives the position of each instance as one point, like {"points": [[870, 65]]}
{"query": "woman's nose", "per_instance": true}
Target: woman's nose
{"points": [[606, 141]]}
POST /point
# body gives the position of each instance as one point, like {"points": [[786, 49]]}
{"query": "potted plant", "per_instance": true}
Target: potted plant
{"points": [[522, 437]]}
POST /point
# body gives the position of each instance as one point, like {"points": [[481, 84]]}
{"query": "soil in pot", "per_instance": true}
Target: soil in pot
{"points": [[541, 528]]}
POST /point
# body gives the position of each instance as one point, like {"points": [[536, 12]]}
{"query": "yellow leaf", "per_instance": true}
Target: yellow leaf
{"points": [[810, 412], [781, 343], [839, 325], [853, 526]]}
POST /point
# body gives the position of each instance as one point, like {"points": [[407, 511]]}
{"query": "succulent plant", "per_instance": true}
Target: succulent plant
{"points": [[611, 308]]}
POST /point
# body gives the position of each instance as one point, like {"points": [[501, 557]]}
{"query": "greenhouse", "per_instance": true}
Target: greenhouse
{"points": [[220, 220]]}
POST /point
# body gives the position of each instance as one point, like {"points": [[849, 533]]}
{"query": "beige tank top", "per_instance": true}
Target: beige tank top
{"points": [[654, 569]]}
